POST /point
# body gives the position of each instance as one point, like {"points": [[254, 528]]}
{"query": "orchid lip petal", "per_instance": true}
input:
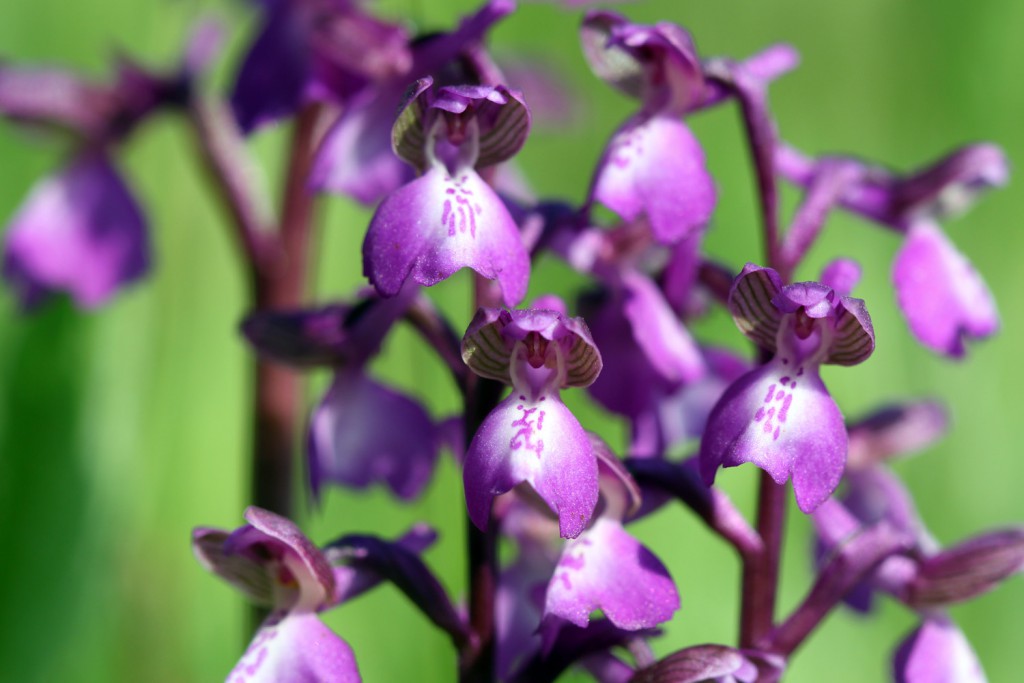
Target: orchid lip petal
{"points": [[539, 442], [654, 167], [781, 418], [438, 224]]}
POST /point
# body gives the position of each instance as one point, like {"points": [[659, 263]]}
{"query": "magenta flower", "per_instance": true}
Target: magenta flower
{"points": [[275, 565], [531, 436], [780, 416], [606, 568], [80, 231], [449, 218], [653, 165], [362, 432]]}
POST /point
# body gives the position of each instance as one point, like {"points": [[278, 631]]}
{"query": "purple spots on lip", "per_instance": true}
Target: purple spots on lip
{"points": [[771, 392], [524, 438], [784, 380], [759, 415], [784, 411], [460, 216], [779, 395]]}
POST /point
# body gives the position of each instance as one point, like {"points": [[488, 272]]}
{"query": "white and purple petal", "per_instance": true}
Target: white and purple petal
{"points": [[607, 569], [539, 442], [363, 433], [296, 648], [782, 419], [438, 224], [654, 167], [80, 231], [942, 296]]}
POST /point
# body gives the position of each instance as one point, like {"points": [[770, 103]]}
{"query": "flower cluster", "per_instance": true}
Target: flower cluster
{"points": [[424, 129]]}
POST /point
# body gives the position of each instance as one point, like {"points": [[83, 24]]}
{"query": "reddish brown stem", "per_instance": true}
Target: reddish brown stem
{"points": [[281, 283], [761, 572]]}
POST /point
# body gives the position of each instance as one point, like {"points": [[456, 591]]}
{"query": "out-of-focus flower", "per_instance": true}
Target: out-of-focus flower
{"points": [[311, 51], [937, 652], [362, 432]]}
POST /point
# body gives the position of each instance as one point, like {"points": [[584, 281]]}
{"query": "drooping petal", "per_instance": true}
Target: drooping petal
{"points": [[438, 224], [607, 569], [80, 231], [296, 648], [969, 569], [655, 167], [541, 443], [666, 342], [937, 652], [241, 571], [782, 419], [629, 384], [942, 296], [853, 339], [363, 433]]}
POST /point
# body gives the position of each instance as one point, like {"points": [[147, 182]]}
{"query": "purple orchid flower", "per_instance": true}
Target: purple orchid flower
{"points": [[275, 565], [780, 416], [653, 165], [362, 432], [607, 568], [942, 296], [531, 436], [356, 157], [449, 218], [80, 231], [314, 51]]}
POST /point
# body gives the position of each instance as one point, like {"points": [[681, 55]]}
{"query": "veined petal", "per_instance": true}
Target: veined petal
{"points": [[607, 569], [437, 224], [364, 433], [296, 648], [750, 301], [853, 339], [541, 443], [654, 166], [491, 337], [80, 231], [942, 296], [782, 419]]}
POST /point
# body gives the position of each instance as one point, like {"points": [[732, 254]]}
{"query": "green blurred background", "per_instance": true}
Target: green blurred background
{"points": [[122, 429]]}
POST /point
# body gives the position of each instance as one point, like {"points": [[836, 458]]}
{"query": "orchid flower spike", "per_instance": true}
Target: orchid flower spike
{"points": [[450, 218], [780, 416], [531, 436]]}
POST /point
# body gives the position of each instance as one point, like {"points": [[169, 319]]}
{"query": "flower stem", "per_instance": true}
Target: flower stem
{"points": [[761, 572], [477, 660]]}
